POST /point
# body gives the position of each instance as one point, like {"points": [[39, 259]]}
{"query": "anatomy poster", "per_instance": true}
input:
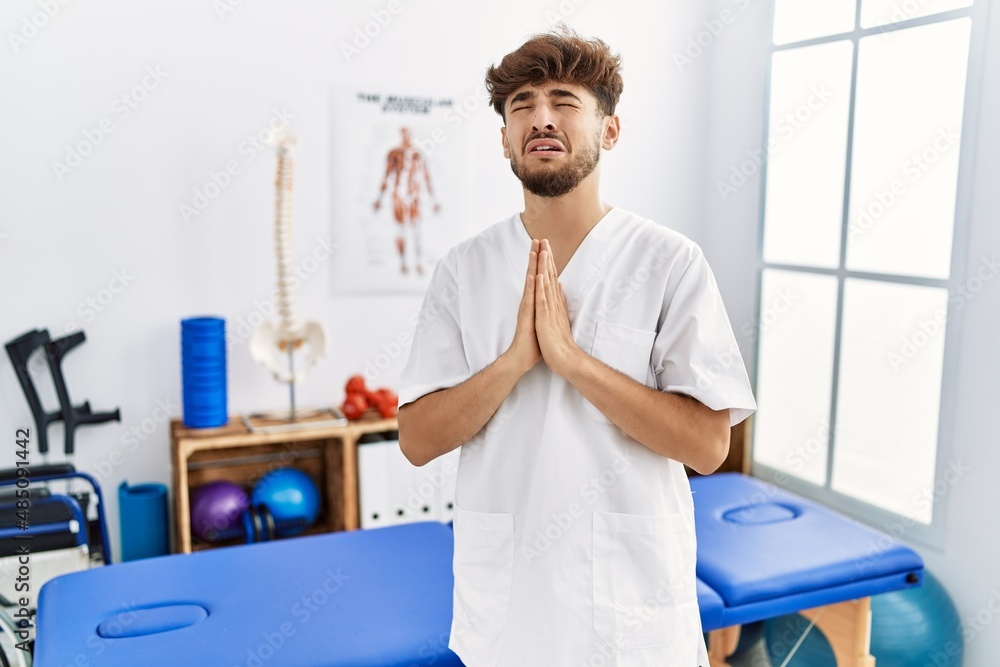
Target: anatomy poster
{"points": [[397, 192]]}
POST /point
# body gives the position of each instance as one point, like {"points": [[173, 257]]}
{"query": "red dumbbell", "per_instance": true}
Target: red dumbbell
{"points": [[354, 406], [356, 385], [359, 398], [385, 401]]}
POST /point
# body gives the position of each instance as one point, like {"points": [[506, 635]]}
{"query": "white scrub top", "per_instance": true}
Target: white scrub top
{"points": [[575, 544]]}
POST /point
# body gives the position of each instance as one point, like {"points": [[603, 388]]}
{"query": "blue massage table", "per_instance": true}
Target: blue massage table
{"points": [[764, 552], [370, 597], [382, 597]]}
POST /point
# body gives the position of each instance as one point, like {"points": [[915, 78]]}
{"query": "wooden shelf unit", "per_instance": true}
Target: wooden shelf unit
{"points": [[328, 454]]}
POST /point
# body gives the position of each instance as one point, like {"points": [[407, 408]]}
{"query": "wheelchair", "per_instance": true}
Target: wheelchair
{"points": [[44, 533]]}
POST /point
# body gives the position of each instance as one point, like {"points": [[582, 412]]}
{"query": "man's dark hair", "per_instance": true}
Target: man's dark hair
{"points": [[560, 55]]}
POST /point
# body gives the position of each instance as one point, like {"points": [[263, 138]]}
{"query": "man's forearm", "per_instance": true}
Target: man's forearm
{"points": [[440, 421], [673, 425]]}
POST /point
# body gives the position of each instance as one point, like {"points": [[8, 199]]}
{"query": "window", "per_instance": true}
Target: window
{"points": [[862, 262]]}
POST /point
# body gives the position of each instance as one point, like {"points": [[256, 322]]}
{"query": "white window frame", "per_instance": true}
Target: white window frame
{"points": [[895, 524]]}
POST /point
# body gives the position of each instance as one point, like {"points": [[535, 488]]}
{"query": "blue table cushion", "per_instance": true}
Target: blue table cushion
{"points": [[151, 620], [373, 597], [757, 542], [383, 596], [711, 606]]}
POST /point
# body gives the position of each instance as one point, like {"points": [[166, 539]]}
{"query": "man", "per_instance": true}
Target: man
{"points": [[579, 355]]}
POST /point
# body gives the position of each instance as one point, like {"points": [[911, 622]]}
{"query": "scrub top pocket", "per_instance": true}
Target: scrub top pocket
{"points": [[484, 568], [625, 349], [640, 571]]}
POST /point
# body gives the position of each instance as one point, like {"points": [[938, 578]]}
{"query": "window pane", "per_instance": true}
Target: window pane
{"points": [[904, 169], [795, 20], [797, 321], [889, 395], [807, 149], [883, 12]]}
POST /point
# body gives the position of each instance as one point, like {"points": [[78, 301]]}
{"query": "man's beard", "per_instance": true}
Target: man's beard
{"points": [[544, 181]]}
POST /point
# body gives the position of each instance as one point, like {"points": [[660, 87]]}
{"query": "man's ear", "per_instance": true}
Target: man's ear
{"points": [[611, 132], [503, 140]]}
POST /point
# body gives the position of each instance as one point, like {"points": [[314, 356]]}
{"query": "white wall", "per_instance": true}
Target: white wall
{"points": [[61, 241], [968, 564], [735, 120]]}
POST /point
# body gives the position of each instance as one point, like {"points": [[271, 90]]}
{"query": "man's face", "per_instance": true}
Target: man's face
{"points": [[553, 136]]}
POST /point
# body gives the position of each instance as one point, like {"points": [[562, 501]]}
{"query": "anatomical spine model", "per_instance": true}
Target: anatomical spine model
{"points": [[272, 345]]}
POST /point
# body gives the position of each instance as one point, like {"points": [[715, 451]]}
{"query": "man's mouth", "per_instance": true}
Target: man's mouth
{"points": [[544, 148]]}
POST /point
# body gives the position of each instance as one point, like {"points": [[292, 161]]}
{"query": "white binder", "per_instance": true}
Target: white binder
{"points": [[392, 490], [400, 479], [446, 496], [422, 496], [373, 483]]}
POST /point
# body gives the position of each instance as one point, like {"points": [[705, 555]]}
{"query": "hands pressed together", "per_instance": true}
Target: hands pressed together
{"points": [[543, 329]]}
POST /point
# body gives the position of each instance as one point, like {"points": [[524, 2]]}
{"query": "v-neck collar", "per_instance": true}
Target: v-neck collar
{"points": [[596, 247]]}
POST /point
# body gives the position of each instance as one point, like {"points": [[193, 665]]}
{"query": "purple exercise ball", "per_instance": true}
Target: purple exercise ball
{"points": [[216, 509]]}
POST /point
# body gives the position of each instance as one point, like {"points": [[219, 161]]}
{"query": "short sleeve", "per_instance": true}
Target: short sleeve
{"points": [[437, 356], [695, 352]]}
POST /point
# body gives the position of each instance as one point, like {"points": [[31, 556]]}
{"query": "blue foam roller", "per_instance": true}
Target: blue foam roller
{"points": [[202, 324], [142, 511], [203, 372]]}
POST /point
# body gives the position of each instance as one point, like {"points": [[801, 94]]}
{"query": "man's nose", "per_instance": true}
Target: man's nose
{"points": [[543, 119]]}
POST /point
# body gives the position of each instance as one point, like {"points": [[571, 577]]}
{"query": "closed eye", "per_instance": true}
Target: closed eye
{"points": [[558, 105]]}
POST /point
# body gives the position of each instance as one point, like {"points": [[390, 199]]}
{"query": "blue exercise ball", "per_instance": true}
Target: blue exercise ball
{"points": [[916, 627], [750, 634], [291, 497], [913, 627], [782, 634]]}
